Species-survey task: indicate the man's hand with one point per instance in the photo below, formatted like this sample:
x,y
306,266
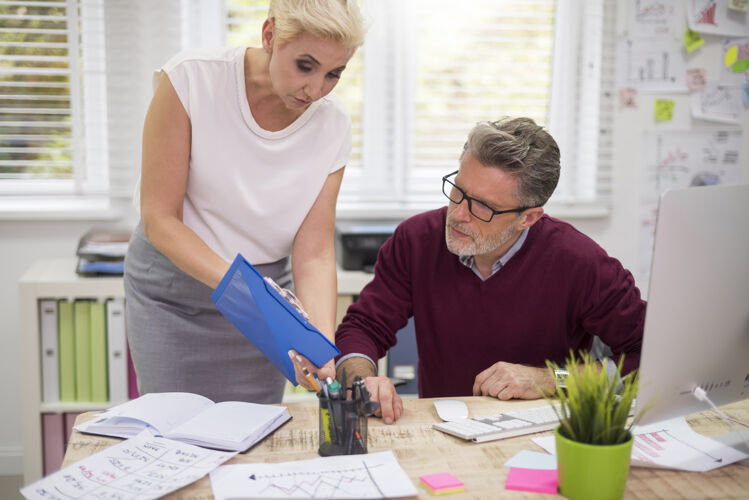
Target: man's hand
x,y
301,363
382,390
507,381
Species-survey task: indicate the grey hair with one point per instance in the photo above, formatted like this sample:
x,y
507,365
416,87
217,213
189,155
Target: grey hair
x,y
521,148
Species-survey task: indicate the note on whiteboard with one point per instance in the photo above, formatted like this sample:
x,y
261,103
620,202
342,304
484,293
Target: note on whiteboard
x,y
676,159
717,103
651,65
142,467
735,63
656,17
713,17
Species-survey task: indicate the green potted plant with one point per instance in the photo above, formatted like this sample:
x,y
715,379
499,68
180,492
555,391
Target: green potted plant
x,y
594,438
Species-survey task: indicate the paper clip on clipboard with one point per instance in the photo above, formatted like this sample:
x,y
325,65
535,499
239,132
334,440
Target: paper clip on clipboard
x,y
262,315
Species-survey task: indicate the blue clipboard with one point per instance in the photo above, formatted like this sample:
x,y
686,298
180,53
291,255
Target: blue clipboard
x,y
262,315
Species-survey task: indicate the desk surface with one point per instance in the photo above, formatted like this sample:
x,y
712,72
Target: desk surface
x,y
423,450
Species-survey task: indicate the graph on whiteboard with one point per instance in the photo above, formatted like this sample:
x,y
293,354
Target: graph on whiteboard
x,y
679,159
376,475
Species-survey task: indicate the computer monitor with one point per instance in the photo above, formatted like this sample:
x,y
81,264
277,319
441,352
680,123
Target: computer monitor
x,y
697,320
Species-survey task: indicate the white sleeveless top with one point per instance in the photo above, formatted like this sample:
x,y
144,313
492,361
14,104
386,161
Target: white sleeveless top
x,y
248,189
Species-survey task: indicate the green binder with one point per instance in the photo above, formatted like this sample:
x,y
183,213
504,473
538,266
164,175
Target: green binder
x,y
66,350
99,383
82,315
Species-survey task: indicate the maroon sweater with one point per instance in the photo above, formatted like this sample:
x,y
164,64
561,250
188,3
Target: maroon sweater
x,y
554,295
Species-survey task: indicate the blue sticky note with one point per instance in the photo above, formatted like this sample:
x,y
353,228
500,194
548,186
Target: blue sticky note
x,y
527,459
745,94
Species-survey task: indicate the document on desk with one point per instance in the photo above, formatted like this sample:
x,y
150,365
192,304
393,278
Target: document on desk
x,y
671,444
375,475
142,467
268,320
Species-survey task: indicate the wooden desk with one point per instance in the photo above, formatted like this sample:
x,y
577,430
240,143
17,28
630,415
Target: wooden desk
x,y
423,450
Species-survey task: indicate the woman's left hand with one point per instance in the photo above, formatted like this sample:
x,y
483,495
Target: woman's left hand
x,y
303,370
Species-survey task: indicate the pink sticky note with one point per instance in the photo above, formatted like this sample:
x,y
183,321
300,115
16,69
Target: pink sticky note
x,y
442,481
538,480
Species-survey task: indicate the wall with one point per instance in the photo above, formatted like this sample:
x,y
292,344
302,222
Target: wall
x,y
619,234
22,242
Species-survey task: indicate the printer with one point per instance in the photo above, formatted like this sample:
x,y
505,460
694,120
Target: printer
x,y
357,242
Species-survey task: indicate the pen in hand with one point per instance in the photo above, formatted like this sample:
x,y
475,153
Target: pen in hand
x,y
311,378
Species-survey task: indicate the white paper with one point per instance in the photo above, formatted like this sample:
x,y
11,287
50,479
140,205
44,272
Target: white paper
x,y
142,467
714,18
741,48
671,444
678,159
656,17
651,65
376,475
163,411
229,424
717,103
532,460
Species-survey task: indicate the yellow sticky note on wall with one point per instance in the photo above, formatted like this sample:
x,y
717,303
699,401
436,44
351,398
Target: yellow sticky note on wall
x,y
693,40
664,110
738,5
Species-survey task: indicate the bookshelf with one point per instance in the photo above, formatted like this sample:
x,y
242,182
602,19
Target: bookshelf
x,y
56,279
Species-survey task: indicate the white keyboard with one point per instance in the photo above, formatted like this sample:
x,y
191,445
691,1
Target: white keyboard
x,y
502,425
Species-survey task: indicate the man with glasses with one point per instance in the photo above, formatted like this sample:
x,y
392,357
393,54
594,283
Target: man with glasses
x,y
495,286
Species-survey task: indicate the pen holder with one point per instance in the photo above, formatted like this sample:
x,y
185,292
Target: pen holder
x,y
343,427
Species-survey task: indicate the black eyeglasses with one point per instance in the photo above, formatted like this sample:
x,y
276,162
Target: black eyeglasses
x,y
478,209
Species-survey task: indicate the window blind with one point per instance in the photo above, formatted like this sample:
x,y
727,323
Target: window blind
x,y
40,111
433,68
475,61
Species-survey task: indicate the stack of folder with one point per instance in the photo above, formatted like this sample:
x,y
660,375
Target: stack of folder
x,y
84,351
101,252
84,358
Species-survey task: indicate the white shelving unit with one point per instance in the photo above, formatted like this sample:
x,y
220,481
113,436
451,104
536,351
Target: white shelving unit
x,y
56,279
48,279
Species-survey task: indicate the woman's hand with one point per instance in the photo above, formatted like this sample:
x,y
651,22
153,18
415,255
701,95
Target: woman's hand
x,y
303,370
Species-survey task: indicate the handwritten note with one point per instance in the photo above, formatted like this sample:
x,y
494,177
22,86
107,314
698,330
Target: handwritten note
x,y
717,103
655,17
679,159
712,17
142,467
735,67
651,64
696,78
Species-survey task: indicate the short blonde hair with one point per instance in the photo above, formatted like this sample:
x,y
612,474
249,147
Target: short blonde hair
x,y
337,20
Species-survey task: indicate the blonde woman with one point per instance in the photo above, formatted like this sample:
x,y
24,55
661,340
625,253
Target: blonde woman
x,y
243,152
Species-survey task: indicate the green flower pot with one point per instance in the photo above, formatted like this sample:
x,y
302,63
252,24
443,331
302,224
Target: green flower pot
x,y
589,471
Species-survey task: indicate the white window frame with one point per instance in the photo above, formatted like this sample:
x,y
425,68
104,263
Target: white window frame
x,y
574,121
85,193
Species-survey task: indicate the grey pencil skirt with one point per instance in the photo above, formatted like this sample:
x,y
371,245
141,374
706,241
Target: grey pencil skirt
x,y
180,342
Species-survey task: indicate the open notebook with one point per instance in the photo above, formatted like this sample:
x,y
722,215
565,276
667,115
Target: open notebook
x,y
190,418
